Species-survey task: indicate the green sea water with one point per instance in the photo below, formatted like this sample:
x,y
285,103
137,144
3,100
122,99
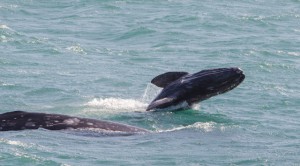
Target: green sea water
x,y
95,59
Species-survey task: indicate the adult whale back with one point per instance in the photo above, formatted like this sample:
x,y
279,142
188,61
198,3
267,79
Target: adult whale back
x,y
182,87
20,120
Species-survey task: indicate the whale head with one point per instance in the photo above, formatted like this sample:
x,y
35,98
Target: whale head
x,y
208,83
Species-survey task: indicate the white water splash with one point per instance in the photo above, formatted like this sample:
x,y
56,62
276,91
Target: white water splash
x,y
114,105
196,106
150,92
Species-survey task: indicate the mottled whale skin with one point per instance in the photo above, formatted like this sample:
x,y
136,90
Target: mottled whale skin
x,y
182,87
20,120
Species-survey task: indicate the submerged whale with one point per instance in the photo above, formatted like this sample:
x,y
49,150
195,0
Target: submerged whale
x,y
182,88
20,120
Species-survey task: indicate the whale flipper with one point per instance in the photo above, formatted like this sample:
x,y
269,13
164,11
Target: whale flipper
x,y
165,79
161,103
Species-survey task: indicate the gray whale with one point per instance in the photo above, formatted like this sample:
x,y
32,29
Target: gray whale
x,y
21,120
182,87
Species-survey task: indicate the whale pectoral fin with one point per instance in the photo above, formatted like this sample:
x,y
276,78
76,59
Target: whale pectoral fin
x,y
164,102
165,79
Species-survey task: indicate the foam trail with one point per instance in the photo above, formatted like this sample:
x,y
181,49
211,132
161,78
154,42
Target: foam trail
x,y
203,126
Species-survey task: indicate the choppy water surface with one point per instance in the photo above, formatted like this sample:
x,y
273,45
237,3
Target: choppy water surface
x,y
95,59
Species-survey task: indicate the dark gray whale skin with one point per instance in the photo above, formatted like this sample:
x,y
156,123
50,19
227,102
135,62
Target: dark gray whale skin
x,y
20,120
180,87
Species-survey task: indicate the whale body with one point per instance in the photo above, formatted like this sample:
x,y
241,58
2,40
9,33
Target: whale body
x,y
21,120
182,88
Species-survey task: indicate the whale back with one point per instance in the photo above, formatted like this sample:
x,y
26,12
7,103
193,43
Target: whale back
x,y
21,120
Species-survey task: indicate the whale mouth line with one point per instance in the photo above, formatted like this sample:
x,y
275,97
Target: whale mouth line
x,y
235,82
232,84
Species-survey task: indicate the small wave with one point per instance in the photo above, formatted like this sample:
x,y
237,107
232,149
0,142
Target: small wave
x,y
141,31
15,143
44,90
4,36
92,132
76,49
291,53
294,53
4,27
115,104
20,149
6,84
203,126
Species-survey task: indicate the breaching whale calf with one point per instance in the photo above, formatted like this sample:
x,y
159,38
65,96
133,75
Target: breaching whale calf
x,y
20,120
182,87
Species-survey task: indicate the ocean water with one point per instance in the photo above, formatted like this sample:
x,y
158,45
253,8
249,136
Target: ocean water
x,y
95,59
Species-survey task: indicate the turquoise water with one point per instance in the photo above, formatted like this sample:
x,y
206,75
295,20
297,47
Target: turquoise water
x,y
95,59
